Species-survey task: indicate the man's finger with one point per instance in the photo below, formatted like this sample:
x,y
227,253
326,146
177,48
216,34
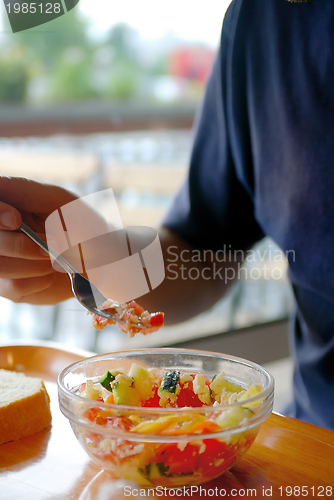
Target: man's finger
x,y
20,268
18,245
10,218
30,196
19,290
49,289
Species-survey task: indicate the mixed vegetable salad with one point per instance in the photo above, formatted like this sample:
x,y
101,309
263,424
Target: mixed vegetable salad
x,y
194,451
130,318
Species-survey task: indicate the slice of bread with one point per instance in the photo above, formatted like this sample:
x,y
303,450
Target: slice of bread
x,y
24,406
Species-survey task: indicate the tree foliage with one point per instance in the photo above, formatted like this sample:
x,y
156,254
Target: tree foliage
x,y
60,61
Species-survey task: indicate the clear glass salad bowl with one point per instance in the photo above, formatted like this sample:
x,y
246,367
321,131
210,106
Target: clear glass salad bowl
x,y
166,446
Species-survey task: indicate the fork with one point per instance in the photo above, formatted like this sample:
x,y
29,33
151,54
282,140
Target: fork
x,y
83,290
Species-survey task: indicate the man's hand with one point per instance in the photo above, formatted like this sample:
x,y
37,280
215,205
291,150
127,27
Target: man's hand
x,y
26,273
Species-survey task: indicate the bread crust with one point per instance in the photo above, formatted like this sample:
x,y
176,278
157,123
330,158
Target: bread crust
x,y
25,416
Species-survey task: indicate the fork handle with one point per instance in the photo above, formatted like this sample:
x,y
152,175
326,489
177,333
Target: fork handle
x,y
49,250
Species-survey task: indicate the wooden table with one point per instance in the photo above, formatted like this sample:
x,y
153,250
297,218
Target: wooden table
x,y
288,459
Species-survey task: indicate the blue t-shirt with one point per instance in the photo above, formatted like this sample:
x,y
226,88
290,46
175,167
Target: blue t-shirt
x,y
263,164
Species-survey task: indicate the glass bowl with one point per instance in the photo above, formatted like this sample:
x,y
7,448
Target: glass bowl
x,y
158,459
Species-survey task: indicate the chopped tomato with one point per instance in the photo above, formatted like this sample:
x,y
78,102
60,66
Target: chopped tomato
x,y
187,397
179,462
204,456
152,402
216,454
124,313
91,414
99,322
157,319
137,308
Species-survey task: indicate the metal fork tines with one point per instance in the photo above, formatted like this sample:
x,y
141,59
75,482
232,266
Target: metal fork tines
x,y
83,290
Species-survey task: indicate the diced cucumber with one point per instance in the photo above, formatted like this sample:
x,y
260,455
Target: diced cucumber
x,y
158,470
233,417
154,471
219,382
143,380
253,390
170,381
106,380
146,470
138,476
124,392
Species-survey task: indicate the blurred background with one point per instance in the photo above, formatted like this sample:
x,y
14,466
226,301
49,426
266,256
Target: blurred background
x,y
105,96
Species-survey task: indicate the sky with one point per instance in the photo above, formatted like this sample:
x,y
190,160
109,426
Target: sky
x,y
191,20
187,19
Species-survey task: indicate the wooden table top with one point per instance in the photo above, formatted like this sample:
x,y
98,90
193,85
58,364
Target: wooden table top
x,y
288,459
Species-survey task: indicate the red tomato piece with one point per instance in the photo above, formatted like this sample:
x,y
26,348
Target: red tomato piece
x,y
157,319
187,397
137,308
152,402
179,462
215,452
100,420
91,414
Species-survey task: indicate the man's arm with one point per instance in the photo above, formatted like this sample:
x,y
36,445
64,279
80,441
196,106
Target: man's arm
x,y
195,279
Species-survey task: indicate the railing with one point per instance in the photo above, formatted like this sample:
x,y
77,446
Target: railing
x,y
92,117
